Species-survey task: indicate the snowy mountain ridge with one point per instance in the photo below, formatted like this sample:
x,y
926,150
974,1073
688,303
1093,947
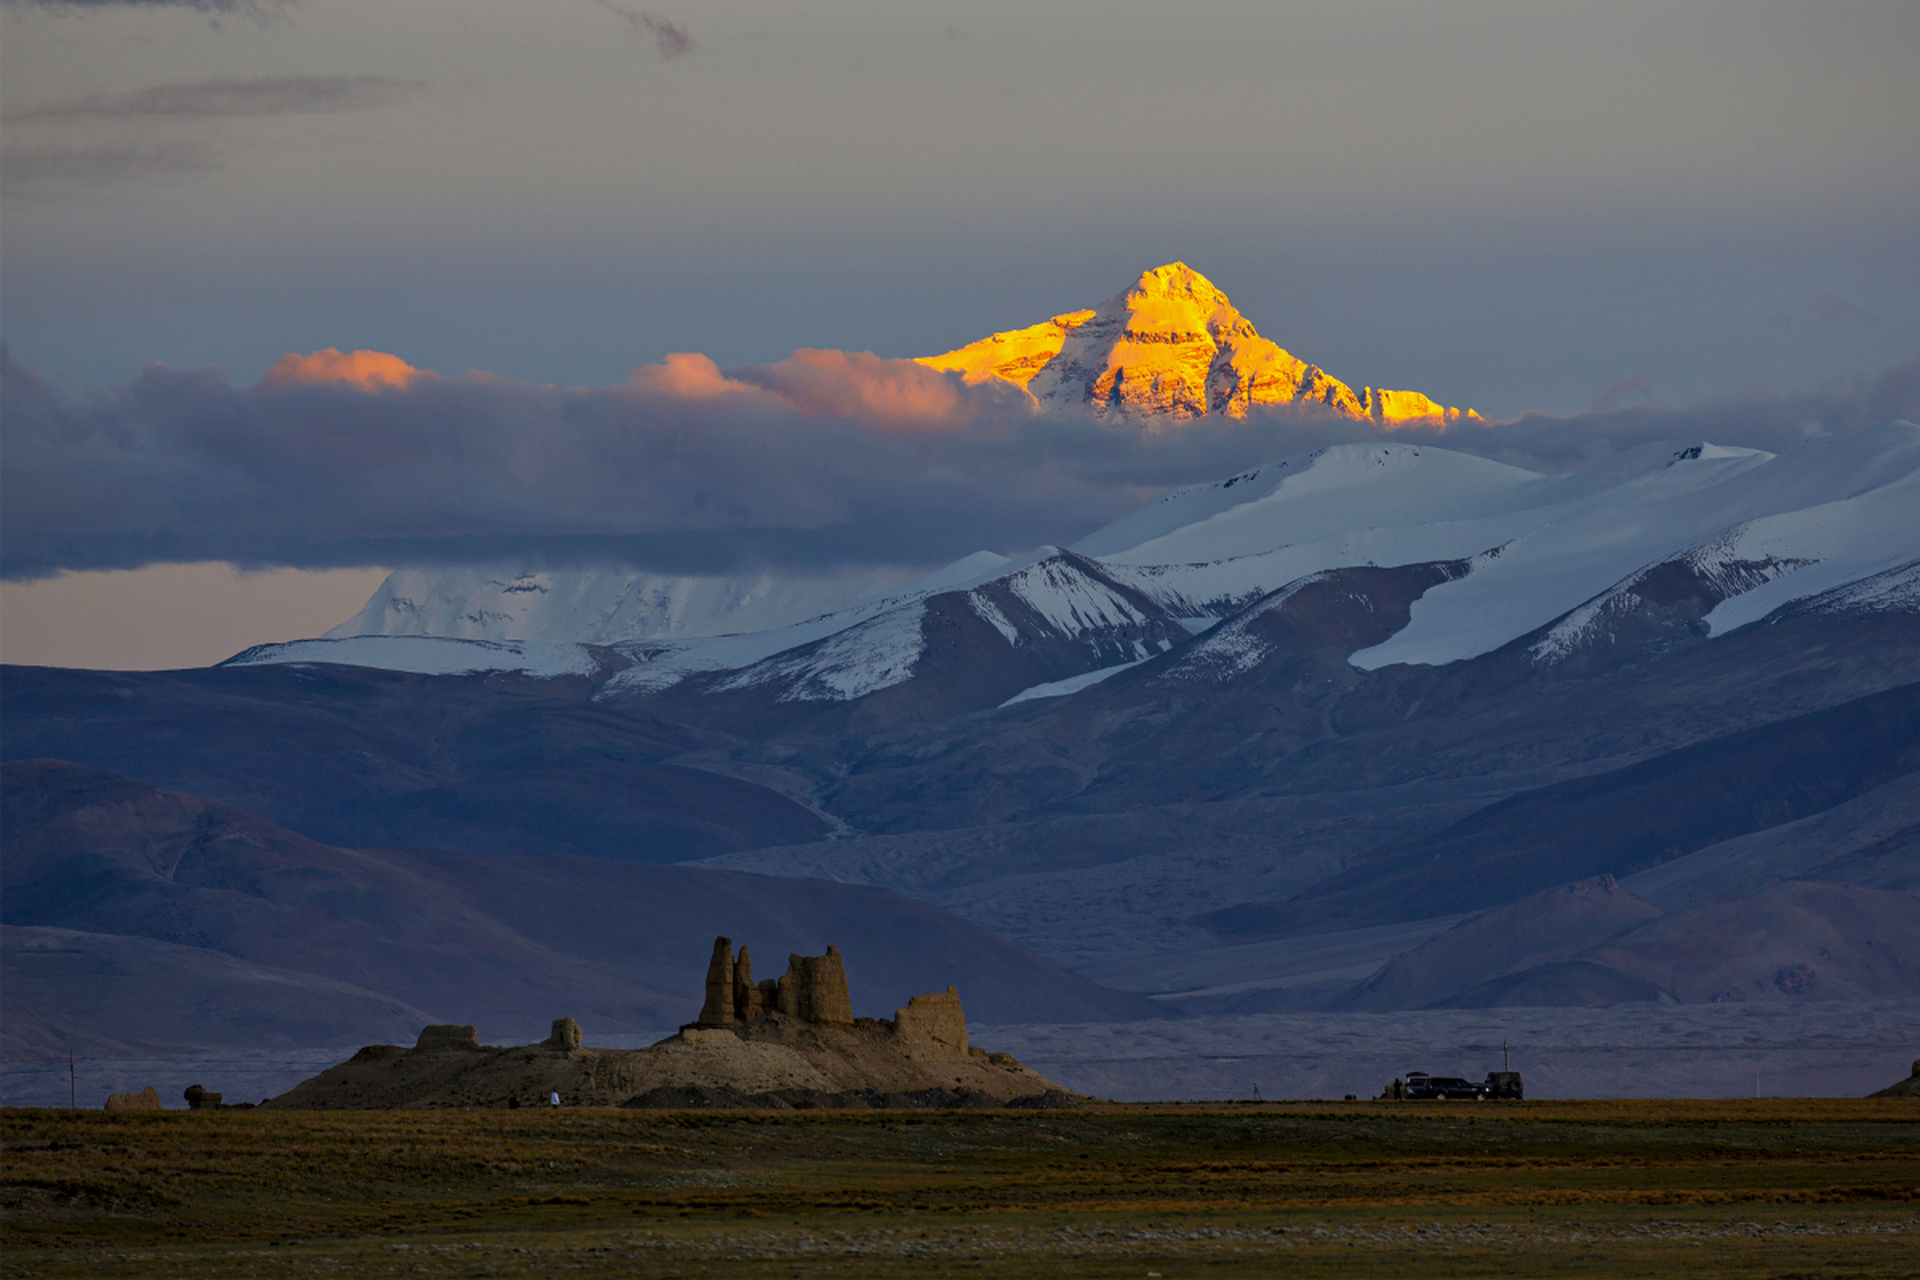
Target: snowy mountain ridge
x,y
1662,544
1050,606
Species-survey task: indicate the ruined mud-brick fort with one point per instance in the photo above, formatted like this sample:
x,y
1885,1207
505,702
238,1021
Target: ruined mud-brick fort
x,y
786,1042
814,989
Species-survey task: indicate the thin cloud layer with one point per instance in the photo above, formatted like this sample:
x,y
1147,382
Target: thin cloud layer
x,y
214,7
828,458
168,130
32,169
227,98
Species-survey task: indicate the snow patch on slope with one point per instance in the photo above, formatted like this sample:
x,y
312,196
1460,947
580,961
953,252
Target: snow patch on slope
x,y
860,660
1233,648
1895,590
1071,602
662,664
428,655
601,606
1730,564
1072,684
1858,538
990,614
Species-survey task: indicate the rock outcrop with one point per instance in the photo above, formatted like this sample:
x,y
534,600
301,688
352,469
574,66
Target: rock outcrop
x,y
786,1042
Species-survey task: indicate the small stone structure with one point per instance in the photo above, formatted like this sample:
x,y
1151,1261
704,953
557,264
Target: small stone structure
x,y
148,1099
566,1035
199,1099
813,989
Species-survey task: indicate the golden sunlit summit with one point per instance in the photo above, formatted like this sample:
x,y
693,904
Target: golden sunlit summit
x,y
1172,346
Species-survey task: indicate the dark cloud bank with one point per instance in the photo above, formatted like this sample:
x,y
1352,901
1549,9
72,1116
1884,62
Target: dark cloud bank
x,y
824,459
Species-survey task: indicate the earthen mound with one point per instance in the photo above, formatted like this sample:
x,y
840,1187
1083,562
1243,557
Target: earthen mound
x,y
1908,1088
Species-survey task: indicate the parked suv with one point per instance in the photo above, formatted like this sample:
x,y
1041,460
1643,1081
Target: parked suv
x,y
1418,1084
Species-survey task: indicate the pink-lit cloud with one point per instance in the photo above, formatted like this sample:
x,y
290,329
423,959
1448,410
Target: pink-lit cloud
x,y
886,395
361,370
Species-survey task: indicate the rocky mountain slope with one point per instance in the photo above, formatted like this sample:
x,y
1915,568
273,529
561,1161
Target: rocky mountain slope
x,y
216,927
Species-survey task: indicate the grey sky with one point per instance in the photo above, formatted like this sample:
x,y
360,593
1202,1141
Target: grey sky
x,y
1505,205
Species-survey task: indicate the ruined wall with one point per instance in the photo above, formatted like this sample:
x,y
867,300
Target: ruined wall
x,y
933,1025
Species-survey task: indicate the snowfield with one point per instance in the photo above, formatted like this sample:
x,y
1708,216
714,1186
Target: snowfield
x,y
1846,500
864,658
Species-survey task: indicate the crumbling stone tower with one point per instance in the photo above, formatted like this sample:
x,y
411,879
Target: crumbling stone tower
x,y
813,989
718,1010
816,988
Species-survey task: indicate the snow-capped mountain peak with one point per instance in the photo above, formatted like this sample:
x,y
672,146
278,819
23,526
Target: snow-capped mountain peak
x,y
1171,345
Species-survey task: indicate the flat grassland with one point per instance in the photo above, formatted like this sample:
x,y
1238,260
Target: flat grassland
x,y
1824,1187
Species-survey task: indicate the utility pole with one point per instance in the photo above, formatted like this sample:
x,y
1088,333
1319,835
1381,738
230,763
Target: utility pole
x,y
1504,1064
73,1083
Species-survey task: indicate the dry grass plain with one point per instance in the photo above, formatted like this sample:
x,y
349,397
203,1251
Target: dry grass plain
x,y
1643,1188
